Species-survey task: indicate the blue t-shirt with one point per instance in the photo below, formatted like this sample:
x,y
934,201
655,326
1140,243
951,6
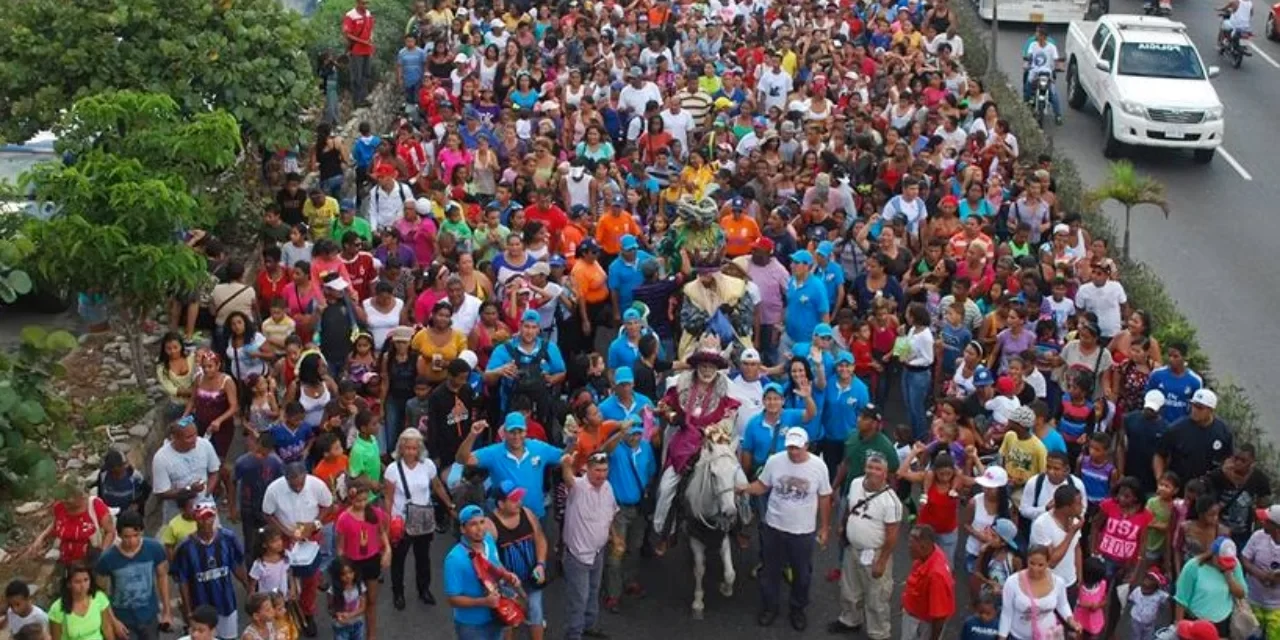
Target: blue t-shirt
x,y
841,408
954,340
833,278
976,629
552,364
983,211
630,471
133,581
612,409
1177,390
460,579
624,278
762,440
1053,441
253,475
291,444
806,304
412,65
209,569
526,472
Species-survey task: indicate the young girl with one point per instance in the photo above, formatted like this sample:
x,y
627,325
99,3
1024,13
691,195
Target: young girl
x,y
1163,510
362,540
884,333
363,361
1091,606
286,624
264,411
347,602
998,559
1146,605
262,615
1098,472
270,571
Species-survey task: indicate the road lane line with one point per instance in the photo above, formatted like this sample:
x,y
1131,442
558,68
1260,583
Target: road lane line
x,y
1258,50
1235,164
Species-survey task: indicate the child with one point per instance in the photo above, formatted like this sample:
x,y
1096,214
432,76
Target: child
x,y
120,485
469,487
1146,604
415,411
352,401
1097,471
998,558
1162,507
262,617
1195,488
985,621
955,335
884,333
270,570
333,464
365,460
279,326
347,602
274,230
182,525
203,623
1046,350
264,411
1004,402
533,428
1076,417
20,609
286,623
298,249
1062,308
293,437
286,367
1091,605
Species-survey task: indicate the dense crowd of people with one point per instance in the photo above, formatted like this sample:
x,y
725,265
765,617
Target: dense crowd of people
x,y
607,241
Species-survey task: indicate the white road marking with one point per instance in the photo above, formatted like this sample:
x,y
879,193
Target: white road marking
x,y
1263,54
1235,164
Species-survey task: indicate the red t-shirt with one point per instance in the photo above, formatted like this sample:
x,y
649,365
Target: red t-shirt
x,y
1121,532
363,273
359,25
930,591
553,217
75,532
269,289
941,511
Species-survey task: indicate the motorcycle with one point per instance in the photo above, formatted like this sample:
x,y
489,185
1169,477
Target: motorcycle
x,y
1234,47
1163,8
1040,96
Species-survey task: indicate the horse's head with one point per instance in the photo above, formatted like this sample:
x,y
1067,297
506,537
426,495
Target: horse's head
x,y
710,493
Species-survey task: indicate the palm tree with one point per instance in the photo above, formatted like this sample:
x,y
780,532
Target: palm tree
x,y
1126,186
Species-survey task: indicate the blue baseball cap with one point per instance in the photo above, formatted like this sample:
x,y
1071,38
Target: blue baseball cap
x,y
469,513
982,377
1008,531
578,210
844,357
825,248
823,330
629,243
631,314
619,200
802,257
738,204
774,387
515,420
623,375
636,430
530,316
556,261
348,204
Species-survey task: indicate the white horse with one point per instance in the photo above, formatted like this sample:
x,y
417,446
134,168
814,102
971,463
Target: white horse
x,y
712,508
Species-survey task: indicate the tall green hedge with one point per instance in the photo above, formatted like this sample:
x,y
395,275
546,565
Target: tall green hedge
x,y
1143,286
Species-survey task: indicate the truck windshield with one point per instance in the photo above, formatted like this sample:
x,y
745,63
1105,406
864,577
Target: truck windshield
x,y
1152,60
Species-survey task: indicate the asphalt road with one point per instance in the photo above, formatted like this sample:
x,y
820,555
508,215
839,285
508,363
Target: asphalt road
x,y
1213,251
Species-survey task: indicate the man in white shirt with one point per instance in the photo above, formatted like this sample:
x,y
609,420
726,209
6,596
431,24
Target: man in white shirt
x,y
1059,530
185,462
799,491
1036,496
909,206
1106,299
295,505
678,122
953,137
871,527
774,84
388,198
1042,57
638,92
466,307
747,387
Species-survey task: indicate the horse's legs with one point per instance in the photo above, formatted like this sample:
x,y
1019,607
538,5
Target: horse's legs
x,y
699,570
726,557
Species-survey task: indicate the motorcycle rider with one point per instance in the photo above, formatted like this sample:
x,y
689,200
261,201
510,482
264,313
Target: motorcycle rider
x,y
1042,56
1236,16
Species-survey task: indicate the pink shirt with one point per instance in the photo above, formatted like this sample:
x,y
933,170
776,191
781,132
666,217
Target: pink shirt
x,y
425,303
772,280
1121,532
419,236
361,540
451,159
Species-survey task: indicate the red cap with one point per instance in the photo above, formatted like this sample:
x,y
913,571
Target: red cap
x,y
385,171
1197,630
1004,385
951,200
764,244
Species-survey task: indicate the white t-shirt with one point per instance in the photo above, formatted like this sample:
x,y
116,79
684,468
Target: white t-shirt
x,y
913,212
678,124
380,324
1000,408
1045,531
636,99
17,622
751,397
1104,302
292,507
171,469
419,479
467,315
775,87
1062,310
1042,58
794,492
865,527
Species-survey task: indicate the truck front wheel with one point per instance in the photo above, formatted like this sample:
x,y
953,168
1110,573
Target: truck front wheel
x,y
1075,93
1204,156
1110,146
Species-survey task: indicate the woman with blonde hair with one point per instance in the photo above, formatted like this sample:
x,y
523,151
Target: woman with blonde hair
x,y
408,484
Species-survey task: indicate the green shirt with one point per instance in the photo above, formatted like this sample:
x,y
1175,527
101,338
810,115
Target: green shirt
x,y
86,627
855,455
1161,514
359,226
459,230
365,460
1202,590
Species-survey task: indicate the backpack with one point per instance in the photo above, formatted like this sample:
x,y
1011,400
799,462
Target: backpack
x,y
529,380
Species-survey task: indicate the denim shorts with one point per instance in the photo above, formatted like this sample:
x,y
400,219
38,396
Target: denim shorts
x,y
534,615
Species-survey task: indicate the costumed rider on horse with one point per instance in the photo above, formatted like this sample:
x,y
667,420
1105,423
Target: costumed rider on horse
x,y
698,238
716,305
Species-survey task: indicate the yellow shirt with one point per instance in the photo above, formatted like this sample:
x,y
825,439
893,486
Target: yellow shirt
x,y
320,218
178,529
789,63
424,345
1023,459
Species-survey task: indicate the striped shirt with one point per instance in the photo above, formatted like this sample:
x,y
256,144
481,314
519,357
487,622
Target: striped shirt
x,y
698,104
208,569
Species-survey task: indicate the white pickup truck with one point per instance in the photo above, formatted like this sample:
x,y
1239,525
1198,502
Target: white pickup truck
x,y
1146,78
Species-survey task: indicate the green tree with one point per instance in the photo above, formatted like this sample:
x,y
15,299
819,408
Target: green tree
x,y
1130,189
245,56
138,176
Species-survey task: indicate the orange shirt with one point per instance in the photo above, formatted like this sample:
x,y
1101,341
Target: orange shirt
x,y
588,443
610,229
929,593
329,470
591,281
739,234
570,238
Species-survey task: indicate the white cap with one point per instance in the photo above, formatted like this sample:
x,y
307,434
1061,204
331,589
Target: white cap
x,y
337,284
422,206
1061,228
469,357
993,478
1271,513
749,355
797,437
1205,398
1154,400
497,23
461,58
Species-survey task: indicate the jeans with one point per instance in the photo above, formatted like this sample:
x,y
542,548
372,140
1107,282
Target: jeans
x,y
782,549
331,100
917,386
393,424
350,631
411,92
1028,90
328,547
491,631
147,631
361,68
947,542
768,346
332,186
866,599
620,567
582,594
421,547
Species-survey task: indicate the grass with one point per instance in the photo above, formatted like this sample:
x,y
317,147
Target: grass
x,y
1144,288
122,409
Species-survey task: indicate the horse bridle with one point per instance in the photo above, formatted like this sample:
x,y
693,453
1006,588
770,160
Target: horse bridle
x,y
717,491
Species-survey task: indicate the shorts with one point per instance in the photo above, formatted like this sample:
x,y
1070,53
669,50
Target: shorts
x,y
534,615
228,626
369,569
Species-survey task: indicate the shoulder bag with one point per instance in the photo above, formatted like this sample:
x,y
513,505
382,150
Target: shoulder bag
x,y
509,612
419,520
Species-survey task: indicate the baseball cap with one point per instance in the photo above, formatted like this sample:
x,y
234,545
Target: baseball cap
x,y
737,204
1197,630
1004,385
530,316
1006,529
539,269
1224,550
802,257
631,315
348,204
629,243
993,477
873,412
982,377
823,330
509,490
619,200
773,387
206,509
1270,514
635,72
514,420
1061,228
623,375
1023,416
763,243
749,355
844,357
797,437
1154,400
1205,398
336,282
556,261
825,248
469,513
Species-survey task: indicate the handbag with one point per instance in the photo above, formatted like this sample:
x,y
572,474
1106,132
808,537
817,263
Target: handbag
x,y
419,520
96,540
509,612
1244,625
1039,630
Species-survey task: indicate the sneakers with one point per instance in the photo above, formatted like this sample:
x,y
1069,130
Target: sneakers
x,y
755,571
766,618
595,632
309,626
1057,120
799,621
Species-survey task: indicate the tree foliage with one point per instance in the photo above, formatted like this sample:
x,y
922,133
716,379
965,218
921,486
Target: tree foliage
x,y
1130,189
131,187
32,417
245,56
